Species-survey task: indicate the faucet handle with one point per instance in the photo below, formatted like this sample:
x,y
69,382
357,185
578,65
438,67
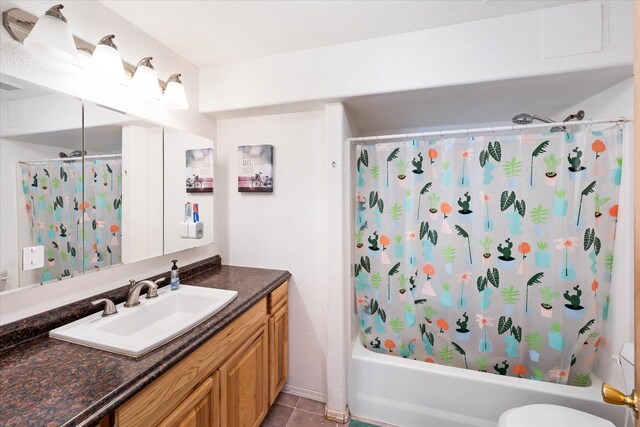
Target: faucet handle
x,y
109,306
132,282
153,292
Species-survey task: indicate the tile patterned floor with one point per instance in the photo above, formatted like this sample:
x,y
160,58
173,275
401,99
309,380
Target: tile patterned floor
x,y
294,411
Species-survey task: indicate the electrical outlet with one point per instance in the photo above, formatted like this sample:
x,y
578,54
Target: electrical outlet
x,y
32,257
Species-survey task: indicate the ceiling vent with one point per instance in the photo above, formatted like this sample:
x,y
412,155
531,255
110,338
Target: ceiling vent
x,y
8,87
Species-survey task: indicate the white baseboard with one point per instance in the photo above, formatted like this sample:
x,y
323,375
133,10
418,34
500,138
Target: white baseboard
x,y
306,393
341,417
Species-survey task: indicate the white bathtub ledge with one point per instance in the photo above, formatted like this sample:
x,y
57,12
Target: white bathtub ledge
x,y
414,393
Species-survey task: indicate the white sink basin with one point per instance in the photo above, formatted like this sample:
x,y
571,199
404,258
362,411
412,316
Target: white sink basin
x,y
134,331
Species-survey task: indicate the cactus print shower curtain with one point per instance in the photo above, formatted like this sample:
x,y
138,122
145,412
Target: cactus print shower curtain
x,y
488,253
78,221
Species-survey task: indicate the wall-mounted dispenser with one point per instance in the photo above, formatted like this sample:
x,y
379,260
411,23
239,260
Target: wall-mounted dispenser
x,y
191,227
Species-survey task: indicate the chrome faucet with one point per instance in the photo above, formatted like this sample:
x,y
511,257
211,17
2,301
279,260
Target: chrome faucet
x,y
133,298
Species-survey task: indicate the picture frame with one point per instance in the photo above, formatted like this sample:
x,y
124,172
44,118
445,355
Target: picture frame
x,y
256,169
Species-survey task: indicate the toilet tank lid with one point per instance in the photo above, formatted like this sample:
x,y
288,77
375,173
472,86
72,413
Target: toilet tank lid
x,y
549,415
627,353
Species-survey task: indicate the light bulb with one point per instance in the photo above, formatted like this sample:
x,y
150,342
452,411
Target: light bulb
x,y
174,94
105,62
51,35
145,78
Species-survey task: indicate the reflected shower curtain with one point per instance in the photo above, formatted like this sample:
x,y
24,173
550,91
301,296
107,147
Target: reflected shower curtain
x,y
488,253
79,224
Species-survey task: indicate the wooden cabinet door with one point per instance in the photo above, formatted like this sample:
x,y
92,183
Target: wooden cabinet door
x,y
244,383
278,351
199,409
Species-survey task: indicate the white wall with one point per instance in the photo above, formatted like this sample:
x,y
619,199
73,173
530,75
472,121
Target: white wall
x,y
90,21
501,48
284,229
339,244
142,191
615,102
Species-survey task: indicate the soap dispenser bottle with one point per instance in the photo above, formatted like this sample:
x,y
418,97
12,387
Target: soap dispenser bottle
x,y
175,276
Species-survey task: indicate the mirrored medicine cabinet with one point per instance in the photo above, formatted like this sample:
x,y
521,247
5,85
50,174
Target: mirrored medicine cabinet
x,y
85,188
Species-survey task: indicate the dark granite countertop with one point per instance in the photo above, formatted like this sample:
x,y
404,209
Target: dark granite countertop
x,y
47,382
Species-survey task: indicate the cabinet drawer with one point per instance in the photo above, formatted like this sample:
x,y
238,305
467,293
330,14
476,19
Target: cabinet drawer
x,y
278,297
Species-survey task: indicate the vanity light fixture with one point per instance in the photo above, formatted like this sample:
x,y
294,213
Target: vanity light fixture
x,y
106,62
51,35
145,78
174,94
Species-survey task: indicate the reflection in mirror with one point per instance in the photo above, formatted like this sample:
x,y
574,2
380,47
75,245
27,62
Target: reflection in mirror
x,y
124,188
40,145
103,206
85,187
188,180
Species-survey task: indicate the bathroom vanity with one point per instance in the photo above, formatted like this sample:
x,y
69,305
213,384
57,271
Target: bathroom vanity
x,y
228,381
225,371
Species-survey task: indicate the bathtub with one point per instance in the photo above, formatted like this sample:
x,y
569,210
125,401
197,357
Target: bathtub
x,y
411,393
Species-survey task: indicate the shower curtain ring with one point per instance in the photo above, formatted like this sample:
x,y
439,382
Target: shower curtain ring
x,y
589,124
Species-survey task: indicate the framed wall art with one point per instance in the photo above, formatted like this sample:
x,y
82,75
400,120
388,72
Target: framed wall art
x,y
199,170
256,169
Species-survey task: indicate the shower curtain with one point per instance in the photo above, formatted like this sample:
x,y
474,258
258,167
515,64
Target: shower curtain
x,y
488,253
78,221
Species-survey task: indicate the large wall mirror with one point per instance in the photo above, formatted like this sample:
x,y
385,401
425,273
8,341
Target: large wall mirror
x,y
85,188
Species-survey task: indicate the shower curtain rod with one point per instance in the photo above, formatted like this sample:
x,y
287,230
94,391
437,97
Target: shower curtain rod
x,y
492,129
70,159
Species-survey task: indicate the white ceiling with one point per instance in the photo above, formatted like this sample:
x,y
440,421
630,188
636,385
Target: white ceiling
x,y
219,32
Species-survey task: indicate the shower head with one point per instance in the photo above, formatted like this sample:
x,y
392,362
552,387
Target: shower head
x,y
75,153
522,119
577,116
527,119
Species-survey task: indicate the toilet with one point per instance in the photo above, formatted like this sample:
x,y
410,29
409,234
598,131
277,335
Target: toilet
x,y
553,415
